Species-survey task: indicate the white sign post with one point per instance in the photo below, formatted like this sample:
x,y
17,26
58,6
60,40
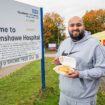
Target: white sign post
x,y
21,33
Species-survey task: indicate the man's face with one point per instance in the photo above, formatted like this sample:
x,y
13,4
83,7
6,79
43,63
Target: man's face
x,y
76,28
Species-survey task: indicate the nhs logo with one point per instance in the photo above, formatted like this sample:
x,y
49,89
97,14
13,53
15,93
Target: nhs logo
x,y
35,11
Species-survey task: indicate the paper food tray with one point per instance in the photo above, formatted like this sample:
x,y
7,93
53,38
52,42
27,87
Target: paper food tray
x,y
56,69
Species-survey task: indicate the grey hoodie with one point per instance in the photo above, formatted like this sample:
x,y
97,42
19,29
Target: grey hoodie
x,y
90,57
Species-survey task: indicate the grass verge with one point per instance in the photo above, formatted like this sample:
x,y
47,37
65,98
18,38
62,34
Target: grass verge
x,y
23,87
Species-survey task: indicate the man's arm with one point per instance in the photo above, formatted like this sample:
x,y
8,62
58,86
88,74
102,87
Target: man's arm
x,y
56,59
99,65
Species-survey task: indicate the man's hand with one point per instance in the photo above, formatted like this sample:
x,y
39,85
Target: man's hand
x,y
56,61
74,74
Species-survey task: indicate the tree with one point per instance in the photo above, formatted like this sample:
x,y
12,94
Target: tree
x,y
94,20
53,28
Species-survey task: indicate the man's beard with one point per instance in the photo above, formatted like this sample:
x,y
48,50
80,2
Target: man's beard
x,y
77,38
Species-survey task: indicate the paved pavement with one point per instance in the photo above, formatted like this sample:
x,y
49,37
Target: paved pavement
x,y
50,55
7,70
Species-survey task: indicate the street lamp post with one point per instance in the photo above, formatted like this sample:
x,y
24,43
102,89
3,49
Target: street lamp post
x,y
58,37
58,27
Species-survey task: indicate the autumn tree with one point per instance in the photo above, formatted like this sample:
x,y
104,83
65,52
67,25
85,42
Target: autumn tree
x,y
94,20
53,28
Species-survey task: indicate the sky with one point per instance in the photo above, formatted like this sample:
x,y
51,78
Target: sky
x,y
67,8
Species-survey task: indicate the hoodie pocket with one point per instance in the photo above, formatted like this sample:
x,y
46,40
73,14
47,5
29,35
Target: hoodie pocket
x,y
72,87
65,85
78,88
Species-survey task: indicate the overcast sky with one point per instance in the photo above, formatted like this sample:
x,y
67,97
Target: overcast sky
x,y
67,8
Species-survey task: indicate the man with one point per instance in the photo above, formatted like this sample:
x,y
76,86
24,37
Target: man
x,y
81,86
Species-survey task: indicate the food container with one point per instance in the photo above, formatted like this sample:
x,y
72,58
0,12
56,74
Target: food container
x,y
67,65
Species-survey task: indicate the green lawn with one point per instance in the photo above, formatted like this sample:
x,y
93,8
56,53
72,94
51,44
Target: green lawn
x,y
23,87
20,85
